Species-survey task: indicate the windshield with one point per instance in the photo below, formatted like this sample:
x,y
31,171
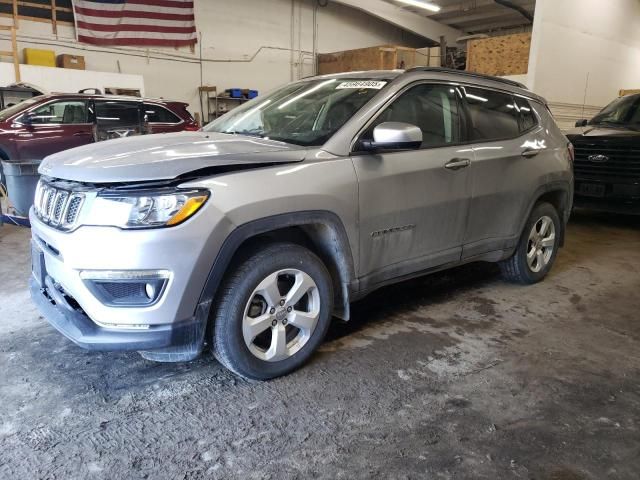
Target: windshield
x,y
622,111
18,107
304,113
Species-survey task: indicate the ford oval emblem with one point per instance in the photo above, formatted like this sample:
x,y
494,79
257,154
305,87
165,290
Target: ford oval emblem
x,y
598,158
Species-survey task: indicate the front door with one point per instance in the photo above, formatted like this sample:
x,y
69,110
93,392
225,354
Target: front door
x,y
54,127
413,204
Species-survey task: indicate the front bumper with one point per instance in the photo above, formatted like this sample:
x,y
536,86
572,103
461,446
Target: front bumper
x,y
626,207
186,251
612,194
168,341
172,328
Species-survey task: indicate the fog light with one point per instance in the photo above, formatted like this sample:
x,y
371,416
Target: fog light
x,y
133,288
150,290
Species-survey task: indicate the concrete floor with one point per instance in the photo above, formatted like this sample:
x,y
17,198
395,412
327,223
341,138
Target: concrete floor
x,y
457,375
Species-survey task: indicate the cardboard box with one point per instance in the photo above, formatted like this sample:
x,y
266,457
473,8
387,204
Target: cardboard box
x,y
71,61
34,56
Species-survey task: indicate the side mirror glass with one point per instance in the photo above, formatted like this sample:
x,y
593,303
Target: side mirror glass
x,y
582,123
394,136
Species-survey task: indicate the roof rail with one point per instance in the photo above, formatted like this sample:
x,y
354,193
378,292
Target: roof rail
x,y
468,74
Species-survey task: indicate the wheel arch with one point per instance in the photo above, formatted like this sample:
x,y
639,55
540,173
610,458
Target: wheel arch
x,y
559,194
320,231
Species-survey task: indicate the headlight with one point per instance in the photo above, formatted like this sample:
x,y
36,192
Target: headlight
x,y
145,209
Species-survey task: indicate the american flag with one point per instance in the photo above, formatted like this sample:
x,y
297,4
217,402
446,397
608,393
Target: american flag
x,y
158,23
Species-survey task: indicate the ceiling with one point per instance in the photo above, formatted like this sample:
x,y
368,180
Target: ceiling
x,y
476,16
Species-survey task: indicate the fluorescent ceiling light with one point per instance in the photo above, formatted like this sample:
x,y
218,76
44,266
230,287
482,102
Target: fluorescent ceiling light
x,y
420,4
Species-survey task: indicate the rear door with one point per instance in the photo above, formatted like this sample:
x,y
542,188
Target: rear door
x,y
413,207
55,126
506,140
117,119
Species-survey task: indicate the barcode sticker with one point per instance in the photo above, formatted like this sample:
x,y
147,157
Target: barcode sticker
x,y
362,84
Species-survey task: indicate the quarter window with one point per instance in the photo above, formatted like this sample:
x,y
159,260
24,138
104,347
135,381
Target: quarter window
x,y
493,115
433,108
527,117
158,114
67,112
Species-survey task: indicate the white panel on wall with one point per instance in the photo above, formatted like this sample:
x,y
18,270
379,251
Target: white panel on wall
x,y
63,80
585,51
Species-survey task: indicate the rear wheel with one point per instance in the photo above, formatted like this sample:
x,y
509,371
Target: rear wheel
x,y
537,248
274,311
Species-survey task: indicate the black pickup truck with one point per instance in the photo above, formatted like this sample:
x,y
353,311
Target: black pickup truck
x,y
607,158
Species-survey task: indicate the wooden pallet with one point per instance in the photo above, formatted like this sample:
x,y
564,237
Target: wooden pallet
x,y
382,57
502,55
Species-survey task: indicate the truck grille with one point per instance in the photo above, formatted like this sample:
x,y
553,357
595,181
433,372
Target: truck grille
x,y
622,159
58,205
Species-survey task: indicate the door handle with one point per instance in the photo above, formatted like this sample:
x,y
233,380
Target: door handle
x,y
530,152
457,163
80,134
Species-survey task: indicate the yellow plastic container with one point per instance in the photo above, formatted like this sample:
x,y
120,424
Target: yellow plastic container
x,y
34,56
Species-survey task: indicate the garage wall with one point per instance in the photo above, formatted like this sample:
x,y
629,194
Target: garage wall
x,y
576,38
244,43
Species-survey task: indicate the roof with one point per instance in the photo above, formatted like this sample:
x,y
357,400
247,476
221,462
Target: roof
x,y
468,74
369,74
94,96
445,74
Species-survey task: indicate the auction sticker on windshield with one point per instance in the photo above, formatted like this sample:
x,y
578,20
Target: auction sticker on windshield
x,y
362,84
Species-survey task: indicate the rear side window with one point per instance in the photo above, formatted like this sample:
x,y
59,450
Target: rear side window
x,y
115,119
494,115
116,113
158,114
433,108
528,119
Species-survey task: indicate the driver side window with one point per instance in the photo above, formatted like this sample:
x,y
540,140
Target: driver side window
x,y
65,112
432,108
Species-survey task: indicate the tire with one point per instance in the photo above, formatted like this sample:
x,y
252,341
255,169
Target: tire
x,y
248,303
522,269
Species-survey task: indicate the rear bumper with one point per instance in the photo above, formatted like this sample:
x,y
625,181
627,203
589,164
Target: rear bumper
x,y
178,341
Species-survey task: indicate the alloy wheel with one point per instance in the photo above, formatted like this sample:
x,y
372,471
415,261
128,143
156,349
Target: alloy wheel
x,y
541,244
281,315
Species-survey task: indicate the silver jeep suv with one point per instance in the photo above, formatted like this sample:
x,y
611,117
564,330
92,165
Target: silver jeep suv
x,y
251,234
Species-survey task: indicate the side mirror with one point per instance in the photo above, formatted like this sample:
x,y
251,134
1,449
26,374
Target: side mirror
x,y
394,136
582,123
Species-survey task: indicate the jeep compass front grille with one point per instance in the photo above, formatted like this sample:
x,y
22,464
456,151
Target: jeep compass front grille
x,y
58,205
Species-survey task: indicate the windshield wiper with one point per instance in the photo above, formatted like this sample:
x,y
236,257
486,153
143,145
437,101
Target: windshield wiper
x,y
248,133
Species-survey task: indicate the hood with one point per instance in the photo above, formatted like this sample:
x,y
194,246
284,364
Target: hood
x,y
164,156
596,131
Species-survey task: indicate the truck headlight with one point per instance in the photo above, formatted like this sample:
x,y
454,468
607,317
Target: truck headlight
x,y
145,209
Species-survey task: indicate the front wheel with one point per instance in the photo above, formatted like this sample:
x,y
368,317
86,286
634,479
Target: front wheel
x,y
273,312
537,248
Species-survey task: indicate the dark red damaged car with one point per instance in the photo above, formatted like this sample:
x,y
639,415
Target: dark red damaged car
x,y
40,126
